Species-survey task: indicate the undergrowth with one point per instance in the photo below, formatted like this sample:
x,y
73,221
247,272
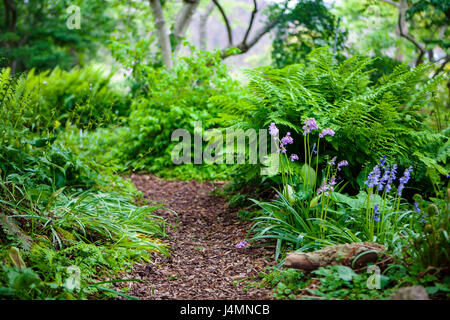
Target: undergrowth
x,y
68,225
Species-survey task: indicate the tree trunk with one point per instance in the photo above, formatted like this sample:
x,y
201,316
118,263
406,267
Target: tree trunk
x,y
183,20
163,33
203,39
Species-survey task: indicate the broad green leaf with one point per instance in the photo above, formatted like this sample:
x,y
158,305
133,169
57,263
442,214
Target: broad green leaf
x,y
309,175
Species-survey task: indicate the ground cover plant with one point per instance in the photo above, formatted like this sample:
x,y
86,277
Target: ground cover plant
x,y
57,210
371,120
94,206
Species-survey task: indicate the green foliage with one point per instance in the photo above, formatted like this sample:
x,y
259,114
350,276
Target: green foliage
x,y
370,121
237,200
102,218
430,248
343,283
305,216
381,66
170,100
306,222
333,282
370,25
247,215
28,150
53,197
425,15
22,283
302,28
35,34
50,274
61,204
85,97
287,283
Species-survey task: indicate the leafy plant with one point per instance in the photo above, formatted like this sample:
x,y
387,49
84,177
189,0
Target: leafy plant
x,y
61,209
430,248
307,25
341,282
370,120
287,283
170,100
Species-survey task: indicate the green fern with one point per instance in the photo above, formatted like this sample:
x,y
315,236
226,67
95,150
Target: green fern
x,y
370,119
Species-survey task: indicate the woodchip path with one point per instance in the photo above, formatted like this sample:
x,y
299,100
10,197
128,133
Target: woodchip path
x,y
205,263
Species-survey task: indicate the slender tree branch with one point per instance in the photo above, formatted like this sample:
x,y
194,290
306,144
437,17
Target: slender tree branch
x,y
442,66
402,27
419,59
252,19
244,47
226,21
183,20
246,44
261,32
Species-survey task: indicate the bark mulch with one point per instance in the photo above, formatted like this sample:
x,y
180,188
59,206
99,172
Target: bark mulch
x,y
205,263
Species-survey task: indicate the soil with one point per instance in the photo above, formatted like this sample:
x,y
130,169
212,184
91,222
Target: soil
x,y
205,263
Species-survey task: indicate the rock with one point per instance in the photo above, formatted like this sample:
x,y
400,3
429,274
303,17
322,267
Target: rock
x,y
411,293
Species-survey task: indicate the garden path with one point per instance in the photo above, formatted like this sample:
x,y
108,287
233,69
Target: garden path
x,y
205,263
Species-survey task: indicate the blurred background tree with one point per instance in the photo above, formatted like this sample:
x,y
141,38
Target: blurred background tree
x,y
304,26
34,33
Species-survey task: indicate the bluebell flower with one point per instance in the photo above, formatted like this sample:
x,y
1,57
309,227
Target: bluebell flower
x,y
332,162
242,244
327,186
287,139
416,207
406,175
374,177
310,125
382,161
333,181
342,163
391,178
273,130
282,149
404,180
325,132
376,213
384,179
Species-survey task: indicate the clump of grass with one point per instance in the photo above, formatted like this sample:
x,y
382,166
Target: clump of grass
x,y
92,217
61,207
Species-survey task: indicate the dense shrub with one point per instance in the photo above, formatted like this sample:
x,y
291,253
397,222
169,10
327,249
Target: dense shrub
x,y
54,201
370,120
170,100
85,97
